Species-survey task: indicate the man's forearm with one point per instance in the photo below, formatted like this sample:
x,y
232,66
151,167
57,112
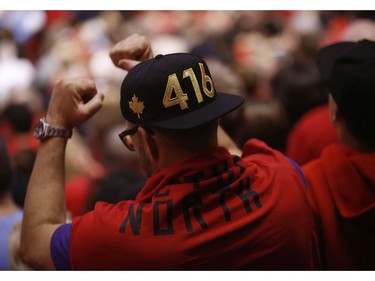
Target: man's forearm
x,y
45,207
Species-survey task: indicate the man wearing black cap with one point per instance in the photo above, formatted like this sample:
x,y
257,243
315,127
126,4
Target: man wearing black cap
x,y
341,182
201,208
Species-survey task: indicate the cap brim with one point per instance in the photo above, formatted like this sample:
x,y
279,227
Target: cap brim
x,y
327,57
223,104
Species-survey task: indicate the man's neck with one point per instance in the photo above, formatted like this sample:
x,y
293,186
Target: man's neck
x,y
347,138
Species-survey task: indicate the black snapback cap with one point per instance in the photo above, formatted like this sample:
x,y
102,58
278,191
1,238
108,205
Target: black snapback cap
x,y
173,91
349,70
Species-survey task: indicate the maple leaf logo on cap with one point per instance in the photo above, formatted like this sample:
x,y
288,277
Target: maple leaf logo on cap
x,y
136,106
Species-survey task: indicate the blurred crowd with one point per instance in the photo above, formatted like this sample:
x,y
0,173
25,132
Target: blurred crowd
x,y
266,56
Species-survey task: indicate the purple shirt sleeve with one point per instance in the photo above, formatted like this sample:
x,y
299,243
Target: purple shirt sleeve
x,y
297,167
60,247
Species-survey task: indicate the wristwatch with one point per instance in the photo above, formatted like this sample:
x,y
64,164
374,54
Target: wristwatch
x,y
43,130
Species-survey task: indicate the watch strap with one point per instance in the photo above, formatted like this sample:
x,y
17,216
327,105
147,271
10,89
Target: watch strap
x,y
57,132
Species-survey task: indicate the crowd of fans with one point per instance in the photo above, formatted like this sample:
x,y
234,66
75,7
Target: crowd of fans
x,y
268,57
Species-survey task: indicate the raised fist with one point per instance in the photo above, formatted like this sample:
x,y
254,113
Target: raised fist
x,y
131,51
73,101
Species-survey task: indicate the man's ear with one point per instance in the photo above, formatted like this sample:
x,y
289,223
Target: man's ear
x,y
334,112
150,145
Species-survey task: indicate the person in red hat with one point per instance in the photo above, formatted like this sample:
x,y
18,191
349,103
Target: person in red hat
x,y
201,207
341,182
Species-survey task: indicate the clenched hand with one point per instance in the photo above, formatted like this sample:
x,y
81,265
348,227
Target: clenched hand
x,y
132,50
73,102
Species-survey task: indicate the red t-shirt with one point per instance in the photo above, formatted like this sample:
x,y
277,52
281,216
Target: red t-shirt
x,y
211,211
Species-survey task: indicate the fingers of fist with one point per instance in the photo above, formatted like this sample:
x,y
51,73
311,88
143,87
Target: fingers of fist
x,y
73,101
130,51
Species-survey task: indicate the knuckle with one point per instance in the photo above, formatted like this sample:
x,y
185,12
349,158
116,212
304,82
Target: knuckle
x,y
64,85
59,83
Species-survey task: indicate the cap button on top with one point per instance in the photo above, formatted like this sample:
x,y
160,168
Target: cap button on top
x,y
159,56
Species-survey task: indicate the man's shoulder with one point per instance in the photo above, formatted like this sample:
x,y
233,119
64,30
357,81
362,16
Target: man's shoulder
x,y
316,166
257,151
271,161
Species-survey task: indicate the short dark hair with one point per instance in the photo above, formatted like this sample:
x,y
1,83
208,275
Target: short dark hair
x,y
5,169
19,116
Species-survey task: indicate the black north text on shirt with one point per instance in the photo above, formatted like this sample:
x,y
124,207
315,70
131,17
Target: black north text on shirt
x,y
192,202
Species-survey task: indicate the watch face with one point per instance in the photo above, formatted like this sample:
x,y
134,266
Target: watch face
x,y
43,130
39,130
